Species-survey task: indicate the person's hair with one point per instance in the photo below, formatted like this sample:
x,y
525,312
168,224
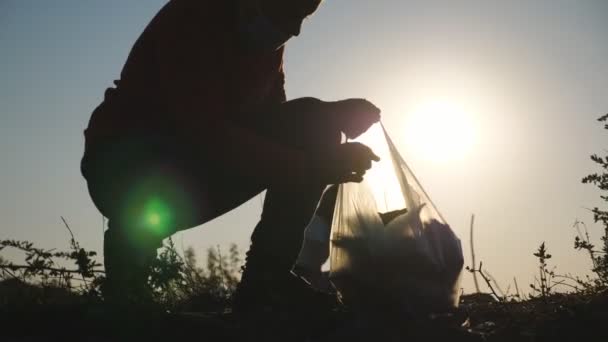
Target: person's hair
x,y
316,3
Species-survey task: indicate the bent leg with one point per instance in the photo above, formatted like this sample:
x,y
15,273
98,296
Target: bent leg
x,y
287,211
278,237
150,189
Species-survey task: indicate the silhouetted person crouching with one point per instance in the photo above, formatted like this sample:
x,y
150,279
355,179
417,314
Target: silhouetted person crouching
x,y
198,124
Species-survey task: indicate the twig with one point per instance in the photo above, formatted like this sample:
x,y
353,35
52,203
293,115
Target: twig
x,y
516,287
223,275
9,272
69,230
66,281
51,269
570,278
487,280
495,282
586,242
508,291
473,252
563,283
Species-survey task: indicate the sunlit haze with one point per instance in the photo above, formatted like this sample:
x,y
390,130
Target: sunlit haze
x,y
493,104
442,130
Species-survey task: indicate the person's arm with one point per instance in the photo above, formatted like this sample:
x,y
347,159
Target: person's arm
x,y
193,81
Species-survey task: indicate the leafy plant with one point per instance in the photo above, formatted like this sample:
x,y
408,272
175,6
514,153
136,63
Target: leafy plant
x,y
582,242
599,257
545,283
45,267
548,280
178,282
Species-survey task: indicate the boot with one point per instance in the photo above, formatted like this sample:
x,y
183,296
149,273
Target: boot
x,y
128,268
279,293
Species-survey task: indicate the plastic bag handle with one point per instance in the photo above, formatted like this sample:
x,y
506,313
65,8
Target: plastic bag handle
x,y
397,161
403,184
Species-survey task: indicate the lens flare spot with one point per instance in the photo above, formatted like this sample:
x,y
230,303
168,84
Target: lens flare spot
x,y
157,215
154,219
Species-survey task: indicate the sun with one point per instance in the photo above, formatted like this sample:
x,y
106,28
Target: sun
x,y
441,130
381,178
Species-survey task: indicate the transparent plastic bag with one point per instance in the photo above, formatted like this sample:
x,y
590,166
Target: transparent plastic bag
x,y
410,263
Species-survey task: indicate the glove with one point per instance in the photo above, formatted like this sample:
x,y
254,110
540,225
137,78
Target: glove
x,y
347,163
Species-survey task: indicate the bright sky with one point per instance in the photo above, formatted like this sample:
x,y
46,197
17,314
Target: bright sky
x,y
513,89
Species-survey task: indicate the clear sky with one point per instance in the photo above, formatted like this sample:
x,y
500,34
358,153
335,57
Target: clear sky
x,y
512,87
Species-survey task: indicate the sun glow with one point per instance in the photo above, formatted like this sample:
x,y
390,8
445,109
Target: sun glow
x,y
381,178
441,131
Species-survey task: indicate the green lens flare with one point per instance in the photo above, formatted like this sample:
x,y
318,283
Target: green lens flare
x,y
157,216
154,219
157,206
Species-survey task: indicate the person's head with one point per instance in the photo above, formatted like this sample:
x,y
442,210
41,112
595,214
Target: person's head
x,y
288,15
269,24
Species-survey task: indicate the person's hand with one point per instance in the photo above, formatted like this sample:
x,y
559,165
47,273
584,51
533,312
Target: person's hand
x,y
347,163
354,116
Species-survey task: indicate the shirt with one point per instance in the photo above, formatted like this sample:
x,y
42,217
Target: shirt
x,y
190,48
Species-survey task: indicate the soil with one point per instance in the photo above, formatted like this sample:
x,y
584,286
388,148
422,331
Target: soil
x,y
479,318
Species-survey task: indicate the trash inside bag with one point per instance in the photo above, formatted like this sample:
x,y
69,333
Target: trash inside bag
x,y
390,247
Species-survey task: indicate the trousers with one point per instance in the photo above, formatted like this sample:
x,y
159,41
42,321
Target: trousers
x,y
152,186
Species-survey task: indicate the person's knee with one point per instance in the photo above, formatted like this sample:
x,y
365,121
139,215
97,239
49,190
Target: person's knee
x,y
124,240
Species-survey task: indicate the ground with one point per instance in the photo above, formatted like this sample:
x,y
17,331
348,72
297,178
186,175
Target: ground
x,y
25,316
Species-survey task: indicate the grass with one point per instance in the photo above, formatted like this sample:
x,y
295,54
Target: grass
x,y
57,300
